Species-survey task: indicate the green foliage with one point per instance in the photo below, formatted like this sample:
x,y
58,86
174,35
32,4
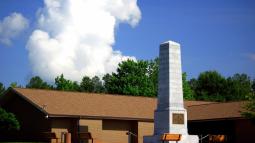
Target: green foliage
x,y
250,113
133,78
2,89
108,83
250,106
188,93
97,85
92,85
8,121
65,84
238,87
250,109
86,84
140,78
37,82
153,74
14,84
253,86
210,86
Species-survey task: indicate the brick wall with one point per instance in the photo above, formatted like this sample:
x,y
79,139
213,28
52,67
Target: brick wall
x,y
144,129
108,131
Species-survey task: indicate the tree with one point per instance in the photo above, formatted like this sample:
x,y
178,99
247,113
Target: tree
x,y
86,84
210,85
14,84
107,83
133,78
2,89
188,93
65,84
193,84
8,121
75,86
253,87
239,87
153,70
97,85
37,82
139,78
249,108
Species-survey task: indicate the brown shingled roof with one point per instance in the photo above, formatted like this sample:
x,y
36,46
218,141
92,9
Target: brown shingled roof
x,y
63,103
216,111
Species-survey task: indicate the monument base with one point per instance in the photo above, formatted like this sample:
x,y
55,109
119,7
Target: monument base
x,y
184,139
166,121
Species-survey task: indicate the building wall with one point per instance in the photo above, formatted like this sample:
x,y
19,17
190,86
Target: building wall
x,y
92,126
104,131
144,129
115,131
64,125
109,131
29,117
245,131
60,126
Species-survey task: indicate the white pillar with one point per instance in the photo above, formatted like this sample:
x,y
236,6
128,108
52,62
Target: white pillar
x,y
170,115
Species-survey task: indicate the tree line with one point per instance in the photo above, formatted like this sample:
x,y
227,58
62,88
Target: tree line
x,y
140,78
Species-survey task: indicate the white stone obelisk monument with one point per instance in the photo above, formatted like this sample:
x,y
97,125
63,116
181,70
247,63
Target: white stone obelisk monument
x,y
170,115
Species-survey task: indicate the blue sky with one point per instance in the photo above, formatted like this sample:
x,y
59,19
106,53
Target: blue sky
x,y
214,35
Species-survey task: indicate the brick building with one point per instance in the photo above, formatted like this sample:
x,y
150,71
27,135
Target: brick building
x,y
109,117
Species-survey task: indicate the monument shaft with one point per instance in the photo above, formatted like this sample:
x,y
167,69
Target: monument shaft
x,y
170,116
170,92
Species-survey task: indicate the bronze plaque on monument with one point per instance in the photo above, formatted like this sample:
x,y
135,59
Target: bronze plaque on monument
x,y
178,118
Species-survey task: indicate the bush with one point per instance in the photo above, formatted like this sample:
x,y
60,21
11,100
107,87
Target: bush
x,y
8,121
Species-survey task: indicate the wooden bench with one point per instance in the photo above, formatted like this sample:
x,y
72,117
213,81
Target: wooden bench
x,y
170,137
50,135
85,135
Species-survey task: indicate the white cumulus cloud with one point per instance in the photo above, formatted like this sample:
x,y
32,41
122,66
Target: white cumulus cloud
x,y
75,37
11,26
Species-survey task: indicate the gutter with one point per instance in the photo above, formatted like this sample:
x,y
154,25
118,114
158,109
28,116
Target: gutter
x,y
99,117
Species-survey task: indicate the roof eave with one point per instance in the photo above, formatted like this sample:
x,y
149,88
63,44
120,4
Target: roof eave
x,y
216,119
29,101
97,117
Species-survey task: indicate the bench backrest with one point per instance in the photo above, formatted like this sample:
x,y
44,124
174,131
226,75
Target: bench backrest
x,y
170,137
